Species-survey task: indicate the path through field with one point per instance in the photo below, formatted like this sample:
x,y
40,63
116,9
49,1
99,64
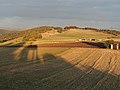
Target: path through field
x,y
35,68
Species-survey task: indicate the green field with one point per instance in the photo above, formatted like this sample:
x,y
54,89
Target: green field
x,y
83,34
75,35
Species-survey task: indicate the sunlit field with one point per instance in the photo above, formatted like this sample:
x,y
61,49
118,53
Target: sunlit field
x,y
40,68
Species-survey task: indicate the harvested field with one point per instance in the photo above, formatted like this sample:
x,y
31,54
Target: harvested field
x,y
37,68
74,44
77,44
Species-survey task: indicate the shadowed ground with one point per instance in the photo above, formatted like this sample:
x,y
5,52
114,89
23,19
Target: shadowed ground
x,y
35,68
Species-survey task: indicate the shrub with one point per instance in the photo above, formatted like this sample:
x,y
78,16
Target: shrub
x,y
32,36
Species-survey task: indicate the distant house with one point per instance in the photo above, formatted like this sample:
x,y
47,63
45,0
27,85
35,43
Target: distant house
x,y
115,45
92,39
82,39
87,39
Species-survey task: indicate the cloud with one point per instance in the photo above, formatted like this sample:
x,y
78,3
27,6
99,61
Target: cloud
x,y
35,12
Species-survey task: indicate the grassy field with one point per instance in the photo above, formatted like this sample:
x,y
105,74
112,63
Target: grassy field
x,y
36,68
75,35
84,34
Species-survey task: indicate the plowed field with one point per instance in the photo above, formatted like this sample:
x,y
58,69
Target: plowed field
x,y
36,68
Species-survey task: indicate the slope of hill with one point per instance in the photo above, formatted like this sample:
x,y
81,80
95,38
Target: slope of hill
x,y
113,32
77,33
47,34
33,33
3,31
74,35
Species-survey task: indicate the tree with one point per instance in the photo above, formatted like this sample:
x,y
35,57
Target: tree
x,y
108,42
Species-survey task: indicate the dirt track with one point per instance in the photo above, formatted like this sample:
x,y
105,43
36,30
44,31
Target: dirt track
x,y
59,69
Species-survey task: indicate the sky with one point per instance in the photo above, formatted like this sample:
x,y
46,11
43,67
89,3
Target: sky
x,y
84,13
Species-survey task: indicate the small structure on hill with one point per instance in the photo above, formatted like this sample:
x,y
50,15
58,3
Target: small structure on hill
x,y
87,39
82,39
115,46
92,39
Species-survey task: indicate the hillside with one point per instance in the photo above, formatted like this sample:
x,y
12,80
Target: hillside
x,y
47,34
74,35
115,33
29,34
3,31
78,33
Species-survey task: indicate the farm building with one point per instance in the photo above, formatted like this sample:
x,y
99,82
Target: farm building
x,y
83,39
115,45
87,39
92,39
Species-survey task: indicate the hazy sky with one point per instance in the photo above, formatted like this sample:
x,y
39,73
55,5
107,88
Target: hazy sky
x,y
31,13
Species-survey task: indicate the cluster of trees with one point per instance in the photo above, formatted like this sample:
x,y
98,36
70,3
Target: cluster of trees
x,y
59,29
113,32
32,36
1,41
89,28
35,33
71,27
9,36
42,29
108,42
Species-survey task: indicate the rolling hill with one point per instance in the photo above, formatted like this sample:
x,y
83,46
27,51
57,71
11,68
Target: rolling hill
x,y
24,34
47,34
74,35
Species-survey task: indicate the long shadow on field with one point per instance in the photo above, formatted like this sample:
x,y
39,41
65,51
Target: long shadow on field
x,y
67,75
11,44
18,44
27,53
7,54
8,44
97,44
56,73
